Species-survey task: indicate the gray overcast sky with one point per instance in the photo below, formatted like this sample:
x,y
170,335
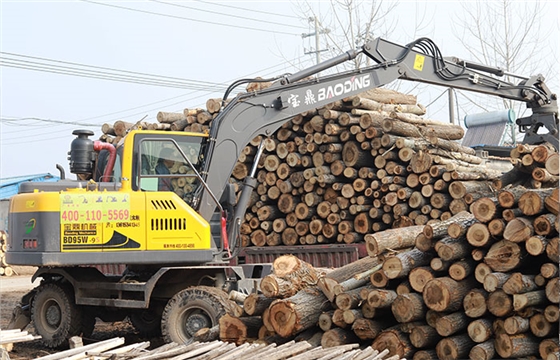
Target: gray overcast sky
x,y
189,42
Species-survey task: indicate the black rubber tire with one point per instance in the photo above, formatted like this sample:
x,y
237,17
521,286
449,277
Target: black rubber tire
x,y
55,315
146,322
200,303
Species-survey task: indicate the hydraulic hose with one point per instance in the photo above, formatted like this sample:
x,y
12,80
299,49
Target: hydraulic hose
x,y
98,146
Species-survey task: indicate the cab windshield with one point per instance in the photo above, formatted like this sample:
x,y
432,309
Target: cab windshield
x,y
168,163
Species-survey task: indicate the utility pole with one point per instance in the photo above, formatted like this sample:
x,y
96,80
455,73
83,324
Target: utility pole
x,y
316,34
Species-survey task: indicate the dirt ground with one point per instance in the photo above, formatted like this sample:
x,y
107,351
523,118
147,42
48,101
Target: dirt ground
x,y
10,295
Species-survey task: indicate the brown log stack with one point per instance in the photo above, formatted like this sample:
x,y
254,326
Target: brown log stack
x,y
469,258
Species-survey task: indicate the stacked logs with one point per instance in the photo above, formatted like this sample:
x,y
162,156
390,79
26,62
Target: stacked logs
x,y
190,120
5,268
467,265
461,288
535,165
354,167
368,163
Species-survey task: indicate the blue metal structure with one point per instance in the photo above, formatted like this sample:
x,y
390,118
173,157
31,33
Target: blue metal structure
x,y
9,186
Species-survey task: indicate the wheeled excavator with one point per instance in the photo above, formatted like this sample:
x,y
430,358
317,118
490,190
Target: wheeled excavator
x,y
180,250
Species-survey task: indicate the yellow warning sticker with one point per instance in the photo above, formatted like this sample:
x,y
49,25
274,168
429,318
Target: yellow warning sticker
x,y
419,62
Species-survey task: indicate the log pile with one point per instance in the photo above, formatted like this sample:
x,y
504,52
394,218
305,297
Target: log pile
x,y
463,262
335,174
534,166
481,287
111,349
355,167
5,268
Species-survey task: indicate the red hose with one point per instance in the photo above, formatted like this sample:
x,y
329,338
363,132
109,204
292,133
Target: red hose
x,y
98,146
224,233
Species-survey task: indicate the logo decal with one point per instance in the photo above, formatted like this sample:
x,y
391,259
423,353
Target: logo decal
x,y
29,226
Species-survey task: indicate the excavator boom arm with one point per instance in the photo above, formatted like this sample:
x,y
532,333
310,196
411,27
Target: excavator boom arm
x,y
263,112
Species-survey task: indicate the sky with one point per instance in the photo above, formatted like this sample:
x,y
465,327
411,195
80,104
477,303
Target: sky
x,y
195,48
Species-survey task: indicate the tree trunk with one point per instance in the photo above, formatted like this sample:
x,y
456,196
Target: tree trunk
x,y
552,249
452,250
274,286
540,327
533,201
381,298
516,346
503,256
424,336
445,294
499,303
452,323
367,329
351,298
458,189
480,330
495,281
544,224
392,239
337,337
394,341
474,303
337,276
455,347
408,308
207,334
461,269
518,230
553,290
516,325
297,313
485,209
401,264
239,330
121,128
509,198
353,156
439,229
548,349
388,96
325,320
255,304
483,351
518,283
419,276
552,313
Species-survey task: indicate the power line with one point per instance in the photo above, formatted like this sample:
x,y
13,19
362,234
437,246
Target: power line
x,y
50,69
78,122
36,140
260,72
188,19
229,6
13,119
226,14
103,75
108,68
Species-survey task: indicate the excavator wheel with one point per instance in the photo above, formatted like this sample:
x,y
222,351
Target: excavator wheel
x,y
146,322
189,311
54,314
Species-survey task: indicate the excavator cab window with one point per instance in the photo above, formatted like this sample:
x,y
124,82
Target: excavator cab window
x,y
168,164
